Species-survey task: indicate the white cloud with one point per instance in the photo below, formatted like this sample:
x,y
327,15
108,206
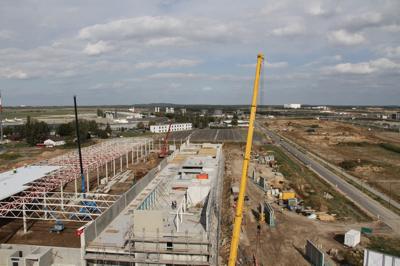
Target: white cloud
x,y
392,51
168,63
364,20
6,34
8,73
207,88
392,28
378,65
276,64
203,76
317,10
175,75
267,65
346,38
289,30
160,30
97,48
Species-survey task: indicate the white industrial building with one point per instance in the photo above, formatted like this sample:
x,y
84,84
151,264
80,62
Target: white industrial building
x,y
174,127
169,110
292,106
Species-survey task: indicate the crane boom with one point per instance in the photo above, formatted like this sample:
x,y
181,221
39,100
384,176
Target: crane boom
x,y
164,149
243,182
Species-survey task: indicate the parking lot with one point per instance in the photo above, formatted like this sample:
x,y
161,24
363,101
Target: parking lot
x,y
236,135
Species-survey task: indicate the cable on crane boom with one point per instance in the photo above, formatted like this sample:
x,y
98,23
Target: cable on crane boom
x,y
243,182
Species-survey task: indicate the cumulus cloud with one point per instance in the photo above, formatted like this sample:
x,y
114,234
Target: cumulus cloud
x,y
363,20
174,75
344,37
207,88
160,30
378,65
9,73
289,30
392,51
6,34
317,10
391,28
97,48
168,63
267,65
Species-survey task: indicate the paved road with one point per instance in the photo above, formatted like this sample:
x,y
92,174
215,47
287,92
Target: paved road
x,y
357,196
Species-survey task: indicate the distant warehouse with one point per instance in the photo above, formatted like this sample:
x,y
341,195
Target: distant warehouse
x,y
174,127
292,106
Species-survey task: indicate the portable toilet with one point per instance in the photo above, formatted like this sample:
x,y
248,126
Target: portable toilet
x,y
352,238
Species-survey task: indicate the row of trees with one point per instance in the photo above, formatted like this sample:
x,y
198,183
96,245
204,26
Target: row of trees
x,y
86,129
196,120
34,131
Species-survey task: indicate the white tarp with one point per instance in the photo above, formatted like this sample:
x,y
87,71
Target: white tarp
x,y
12,183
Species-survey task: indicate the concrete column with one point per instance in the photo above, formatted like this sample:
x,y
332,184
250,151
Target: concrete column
x,y
114,167
132,156
62,195
137,154
127,160
45,205
76,186
120,163
107,171
87,180
24,218
98,174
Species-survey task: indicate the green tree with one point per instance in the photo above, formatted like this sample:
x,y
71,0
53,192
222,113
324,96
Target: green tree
x,y
35,131
108,129
140,125
100,113
65,130
234,121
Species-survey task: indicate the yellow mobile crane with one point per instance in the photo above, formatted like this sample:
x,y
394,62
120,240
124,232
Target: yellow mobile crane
x,y
243,181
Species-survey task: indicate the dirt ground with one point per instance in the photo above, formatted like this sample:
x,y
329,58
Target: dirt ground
x,y
19,155
285,243
365,153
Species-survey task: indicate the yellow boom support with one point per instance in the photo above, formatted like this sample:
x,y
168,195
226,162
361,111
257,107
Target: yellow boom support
x,y
243,181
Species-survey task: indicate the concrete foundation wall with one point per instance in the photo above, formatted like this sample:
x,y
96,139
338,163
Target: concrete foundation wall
x,y
55,256
97,226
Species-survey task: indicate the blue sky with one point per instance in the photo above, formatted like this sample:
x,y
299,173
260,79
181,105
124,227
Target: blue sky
x,y
199,52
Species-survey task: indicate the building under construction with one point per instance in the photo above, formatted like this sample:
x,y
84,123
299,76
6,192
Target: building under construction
x,y
170,218
48,192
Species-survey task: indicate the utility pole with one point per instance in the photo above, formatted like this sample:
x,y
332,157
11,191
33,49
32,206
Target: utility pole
x,y
78,139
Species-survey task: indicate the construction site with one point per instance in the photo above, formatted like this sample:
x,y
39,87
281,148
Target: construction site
x,y
207,196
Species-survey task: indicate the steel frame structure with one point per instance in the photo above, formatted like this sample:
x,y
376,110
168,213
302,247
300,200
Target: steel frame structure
x,y
41,201
81,207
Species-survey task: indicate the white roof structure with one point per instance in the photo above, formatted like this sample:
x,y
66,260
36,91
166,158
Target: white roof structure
x,y
12,183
